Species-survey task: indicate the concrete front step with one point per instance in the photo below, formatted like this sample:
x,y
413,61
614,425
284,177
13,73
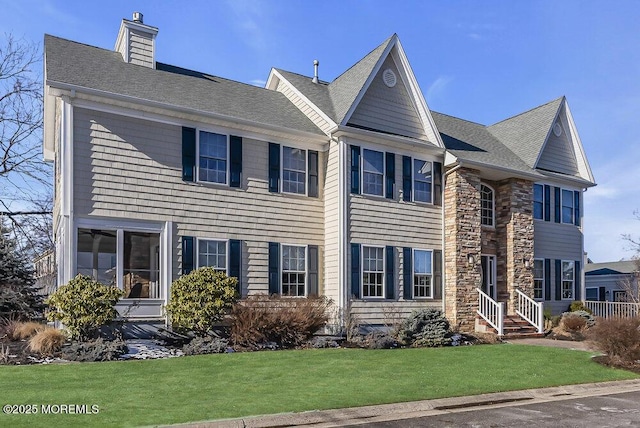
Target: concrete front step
x,y
514,327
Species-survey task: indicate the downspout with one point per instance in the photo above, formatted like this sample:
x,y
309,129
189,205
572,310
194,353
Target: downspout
x,y
444,271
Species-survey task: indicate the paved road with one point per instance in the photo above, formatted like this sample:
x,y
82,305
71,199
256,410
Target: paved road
x,y
611,410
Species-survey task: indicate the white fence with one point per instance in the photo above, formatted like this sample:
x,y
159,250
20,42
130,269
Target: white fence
x,y
491,311
530,310
613,309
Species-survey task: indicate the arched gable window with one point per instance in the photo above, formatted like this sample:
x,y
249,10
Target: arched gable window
x,y
487,206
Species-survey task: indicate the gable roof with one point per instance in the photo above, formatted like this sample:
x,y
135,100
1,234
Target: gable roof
x,y
473,144
612,268
75,65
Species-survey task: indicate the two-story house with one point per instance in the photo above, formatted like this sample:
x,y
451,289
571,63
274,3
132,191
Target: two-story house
x,y
352,189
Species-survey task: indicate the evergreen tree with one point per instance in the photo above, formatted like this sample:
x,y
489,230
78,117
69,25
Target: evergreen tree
x,y
19,297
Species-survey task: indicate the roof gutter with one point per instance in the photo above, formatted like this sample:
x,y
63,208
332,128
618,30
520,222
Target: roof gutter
x,y
343,130
62,89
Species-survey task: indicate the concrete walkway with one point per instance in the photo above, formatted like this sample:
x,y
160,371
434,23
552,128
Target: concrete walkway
x,y
416,409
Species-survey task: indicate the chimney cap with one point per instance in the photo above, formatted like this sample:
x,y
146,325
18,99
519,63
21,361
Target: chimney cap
x,y
137,17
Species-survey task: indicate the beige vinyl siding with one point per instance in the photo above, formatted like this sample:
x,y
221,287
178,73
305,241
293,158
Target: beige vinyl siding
x,y
389,110
140,48
129,168
332,218
389,313
303,106
558,154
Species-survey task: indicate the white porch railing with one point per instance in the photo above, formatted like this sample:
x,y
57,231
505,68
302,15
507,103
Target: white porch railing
x,y
613,309
491,311
530,310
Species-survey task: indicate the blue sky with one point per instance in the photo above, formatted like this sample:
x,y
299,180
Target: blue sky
x,y
482,61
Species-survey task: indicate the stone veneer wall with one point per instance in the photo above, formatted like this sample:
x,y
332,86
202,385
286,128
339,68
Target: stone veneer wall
x,y
462,238
514,226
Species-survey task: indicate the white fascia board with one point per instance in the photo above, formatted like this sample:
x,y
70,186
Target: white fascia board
x,y
49,129
511,172
384,139
280,77
428,123
367,83
450,159
180,114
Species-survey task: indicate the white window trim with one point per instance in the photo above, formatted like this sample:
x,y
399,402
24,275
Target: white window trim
x,y
226,249
573,206
413,275
543,201
306,269
543,280
362,171
562,280
213,183
493,210
120,227
384,272
413,182
306,170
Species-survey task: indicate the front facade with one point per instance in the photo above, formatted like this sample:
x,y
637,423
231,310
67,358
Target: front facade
x,y
351,189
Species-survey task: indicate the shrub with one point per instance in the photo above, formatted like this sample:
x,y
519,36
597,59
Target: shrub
x,y
205,345
287,322
427,327
578,305
200,299
619,338
84,305
379,340
25,330
589,319
47,341
96,350
573,323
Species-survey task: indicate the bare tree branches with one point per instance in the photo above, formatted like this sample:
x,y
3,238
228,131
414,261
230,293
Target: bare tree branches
x,y
21,112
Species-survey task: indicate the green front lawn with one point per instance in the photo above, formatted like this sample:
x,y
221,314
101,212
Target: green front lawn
x,y
131,393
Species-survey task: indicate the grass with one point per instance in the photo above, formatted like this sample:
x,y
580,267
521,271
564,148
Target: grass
x,y
134,393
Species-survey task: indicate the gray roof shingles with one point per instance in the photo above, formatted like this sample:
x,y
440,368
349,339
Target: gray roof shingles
x,y
612,268
99,69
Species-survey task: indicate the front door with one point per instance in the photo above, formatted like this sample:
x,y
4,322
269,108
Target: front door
x,y
489,276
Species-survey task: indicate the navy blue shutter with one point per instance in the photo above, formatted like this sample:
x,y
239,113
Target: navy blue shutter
x,y
235,257
188,153
235,161
274,268
313,173
437,184
407,273
437,274
558,207
355,270
313,270
576,208
547,202
188,250
406,178
577,283
558,280
390,283
547,279
274,167
355,170
390,174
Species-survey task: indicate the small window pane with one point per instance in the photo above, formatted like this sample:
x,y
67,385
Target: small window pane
x,y
97,255
373,172
212,254
486,205
372,271
294,270
422,173
538,279
212,157
294,175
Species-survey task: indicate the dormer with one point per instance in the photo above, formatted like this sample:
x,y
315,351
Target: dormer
x,y
136,42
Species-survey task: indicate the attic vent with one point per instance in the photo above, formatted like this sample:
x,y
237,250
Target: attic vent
x,y
389,77
557,129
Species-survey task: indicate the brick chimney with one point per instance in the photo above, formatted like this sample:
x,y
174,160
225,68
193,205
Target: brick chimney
x,y
137,42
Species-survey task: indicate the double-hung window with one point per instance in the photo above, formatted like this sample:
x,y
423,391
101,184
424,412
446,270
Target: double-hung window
x,y
422,181
487,205
294,170
213,157
372,272
568,278
294,270
422,274
538,278
538,201
373,173
212,254
567,206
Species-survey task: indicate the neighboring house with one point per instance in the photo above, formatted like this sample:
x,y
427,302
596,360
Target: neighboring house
x,y
352,189
44,272
613,281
